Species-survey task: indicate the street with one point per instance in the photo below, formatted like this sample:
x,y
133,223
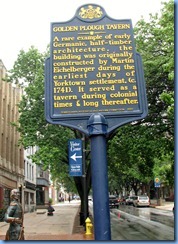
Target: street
x,y
134,228
154,214
144,223
129,227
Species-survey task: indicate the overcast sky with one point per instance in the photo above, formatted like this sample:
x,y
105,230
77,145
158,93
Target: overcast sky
x,y
24,23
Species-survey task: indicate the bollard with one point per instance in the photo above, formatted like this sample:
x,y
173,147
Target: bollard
x,y
88,227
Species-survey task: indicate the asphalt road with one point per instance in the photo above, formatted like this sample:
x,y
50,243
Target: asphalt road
x,y
158,215
125,226
146,224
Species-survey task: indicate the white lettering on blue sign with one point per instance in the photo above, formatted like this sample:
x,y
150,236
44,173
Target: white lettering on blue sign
x,y
74,146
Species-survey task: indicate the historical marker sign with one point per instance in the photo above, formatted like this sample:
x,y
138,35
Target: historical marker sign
x,y
94,68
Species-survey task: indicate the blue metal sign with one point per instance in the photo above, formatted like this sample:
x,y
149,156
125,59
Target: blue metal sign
x,y
93,68
157,182
75,157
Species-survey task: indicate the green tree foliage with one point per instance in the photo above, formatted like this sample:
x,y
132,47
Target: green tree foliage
x,y
155,43
163,169
131,156
138,150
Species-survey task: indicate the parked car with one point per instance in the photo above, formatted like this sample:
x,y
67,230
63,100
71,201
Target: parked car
x,y
143,201
113,201
129,200
121,200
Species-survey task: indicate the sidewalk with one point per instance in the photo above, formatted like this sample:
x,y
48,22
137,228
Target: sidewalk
x,y
164,205
63,225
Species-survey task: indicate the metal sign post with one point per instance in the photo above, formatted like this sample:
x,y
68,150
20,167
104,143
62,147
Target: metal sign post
x,y
157,184
97,127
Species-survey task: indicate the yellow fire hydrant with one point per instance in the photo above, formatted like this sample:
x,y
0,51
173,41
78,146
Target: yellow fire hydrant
x,y
88,226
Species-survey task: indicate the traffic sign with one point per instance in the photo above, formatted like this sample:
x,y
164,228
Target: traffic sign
x,y
75,157
157,182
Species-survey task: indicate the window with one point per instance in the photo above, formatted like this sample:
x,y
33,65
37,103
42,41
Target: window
x,y
33,173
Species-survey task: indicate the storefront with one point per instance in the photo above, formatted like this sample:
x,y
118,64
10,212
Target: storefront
x,y
29,197
42,192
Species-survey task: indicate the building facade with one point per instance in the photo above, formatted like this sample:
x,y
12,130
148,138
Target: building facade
x,y
11,155
36,184
29,187
17,171
42,187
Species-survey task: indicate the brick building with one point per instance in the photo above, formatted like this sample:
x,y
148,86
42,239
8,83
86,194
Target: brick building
x,y
11,156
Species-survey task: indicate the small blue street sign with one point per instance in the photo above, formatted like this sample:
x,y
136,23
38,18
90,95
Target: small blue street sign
x,y
75,157
157,182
